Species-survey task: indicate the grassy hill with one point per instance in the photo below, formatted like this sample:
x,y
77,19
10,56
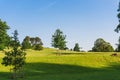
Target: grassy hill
x,y
47,65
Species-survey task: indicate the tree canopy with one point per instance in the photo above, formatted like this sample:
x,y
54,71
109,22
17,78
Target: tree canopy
x,y
32,42
118,26
14,57
100,45
4,37
118,46
76,48
58,40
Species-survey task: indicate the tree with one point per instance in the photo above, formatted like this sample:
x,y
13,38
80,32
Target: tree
x,y
26,43
118,26
118,29
31,42
118,46
76,48
38,41
102,46
4,38
58,40
38,47
15,57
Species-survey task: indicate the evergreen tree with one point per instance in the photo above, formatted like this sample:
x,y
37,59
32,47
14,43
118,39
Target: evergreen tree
x,y
4,38
118,46
15,57
118,26
76,48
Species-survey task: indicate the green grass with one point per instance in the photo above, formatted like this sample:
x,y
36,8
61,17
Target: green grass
x,y
47,65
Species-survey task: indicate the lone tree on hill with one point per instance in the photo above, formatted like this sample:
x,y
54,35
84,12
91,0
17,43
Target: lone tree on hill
x,y
15,57
58,40
4,38
76,48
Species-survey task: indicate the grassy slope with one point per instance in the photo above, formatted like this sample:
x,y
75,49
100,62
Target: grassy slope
x,y
46,65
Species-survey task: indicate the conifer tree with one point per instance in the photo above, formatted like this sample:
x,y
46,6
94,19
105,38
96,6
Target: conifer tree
x,y
15,57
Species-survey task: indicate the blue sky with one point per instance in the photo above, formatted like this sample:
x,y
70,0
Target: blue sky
x,y
83,21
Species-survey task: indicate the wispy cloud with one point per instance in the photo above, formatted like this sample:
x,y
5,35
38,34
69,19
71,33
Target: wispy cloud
x,y
51,4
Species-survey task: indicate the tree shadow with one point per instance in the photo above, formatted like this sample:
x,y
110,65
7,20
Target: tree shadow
x,y
69,53
45,71
52,71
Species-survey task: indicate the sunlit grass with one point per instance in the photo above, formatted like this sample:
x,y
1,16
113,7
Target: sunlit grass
x,y
48,65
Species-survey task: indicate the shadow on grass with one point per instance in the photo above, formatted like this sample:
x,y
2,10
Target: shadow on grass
x,y
69,53
4,75
51,71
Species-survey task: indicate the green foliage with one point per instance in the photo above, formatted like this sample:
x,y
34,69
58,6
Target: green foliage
x,y
4,38
38,47
76,48
102,46
26,43
118,46
31,42
118,26
15,57
58,40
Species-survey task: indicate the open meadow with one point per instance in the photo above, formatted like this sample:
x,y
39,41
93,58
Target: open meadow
x,y
47,65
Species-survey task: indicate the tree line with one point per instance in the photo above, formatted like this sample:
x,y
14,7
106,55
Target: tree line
x,y
58,41
7,42
100,45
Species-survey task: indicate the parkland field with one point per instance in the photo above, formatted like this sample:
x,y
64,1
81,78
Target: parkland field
x,y
47,65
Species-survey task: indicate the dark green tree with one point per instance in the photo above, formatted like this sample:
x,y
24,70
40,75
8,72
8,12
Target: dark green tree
x,y
58,40
38,47
15,57
4,38
101,45
76,48
118,26
118,46
38,41
32,40
26,43
118,29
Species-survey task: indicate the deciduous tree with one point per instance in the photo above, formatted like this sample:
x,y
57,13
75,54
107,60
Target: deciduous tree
x,y
26,43
101,45
58,40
